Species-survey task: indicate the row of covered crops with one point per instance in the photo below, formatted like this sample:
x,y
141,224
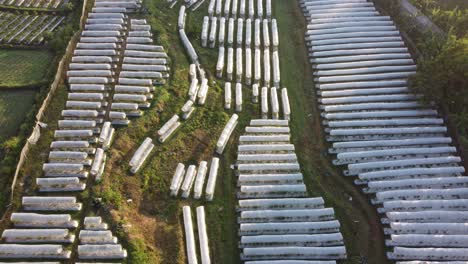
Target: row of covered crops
x,y
278,223
104,79
246,35
396,146
235,35
26,29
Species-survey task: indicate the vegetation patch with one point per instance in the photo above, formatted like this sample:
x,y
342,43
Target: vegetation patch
x,y
448,15
442,75
14,106
21,67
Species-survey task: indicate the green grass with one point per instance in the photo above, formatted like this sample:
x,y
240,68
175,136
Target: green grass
x,y
24,67
14,106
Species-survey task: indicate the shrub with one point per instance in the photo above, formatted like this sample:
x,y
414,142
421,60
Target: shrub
x,y
443,72
59,41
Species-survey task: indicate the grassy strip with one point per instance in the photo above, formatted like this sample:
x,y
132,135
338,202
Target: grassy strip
x,y
19,67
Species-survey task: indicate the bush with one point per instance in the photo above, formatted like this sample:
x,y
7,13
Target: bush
x,y
443,72
450,17
59,41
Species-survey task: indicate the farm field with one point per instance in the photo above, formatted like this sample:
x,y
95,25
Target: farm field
x,y
141,204
23,67
14,106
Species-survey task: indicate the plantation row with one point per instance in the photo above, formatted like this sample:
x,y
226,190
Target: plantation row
x,y
35,3
278,223
26,29
235,36
396,146
248,41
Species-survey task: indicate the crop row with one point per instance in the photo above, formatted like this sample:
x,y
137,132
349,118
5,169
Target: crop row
x,y
26,29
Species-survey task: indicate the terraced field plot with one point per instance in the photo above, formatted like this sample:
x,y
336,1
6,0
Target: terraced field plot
x,y
23,67
26,29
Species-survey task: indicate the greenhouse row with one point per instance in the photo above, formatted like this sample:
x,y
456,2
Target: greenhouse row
x,y
244,64
240,8
275,102
96,242
190,236
198,87
226,133
278,223
143,66
381,132
140,155
169,127
235,38
197,93
192,54
193,178
25,29
248,54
